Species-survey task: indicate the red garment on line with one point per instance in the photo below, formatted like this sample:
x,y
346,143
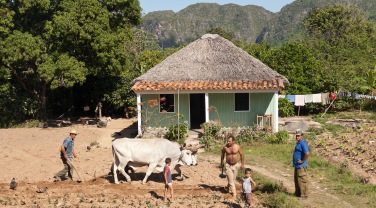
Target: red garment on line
x,y
333,95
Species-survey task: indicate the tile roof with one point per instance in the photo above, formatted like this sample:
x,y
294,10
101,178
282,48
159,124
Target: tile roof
x,y
208,85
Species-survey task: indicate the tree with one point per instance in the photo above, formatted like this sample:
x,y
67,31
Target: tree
x,y
298,63
293,60
220,31
345,42
51,44
6,23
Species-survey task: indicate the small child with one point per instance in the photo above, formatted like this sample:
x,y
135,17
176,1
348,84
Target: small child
x,y
168,179
247,187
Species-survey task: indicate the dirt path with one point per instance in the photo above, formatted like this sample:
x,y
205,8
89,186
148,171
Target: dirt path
x,y
319,195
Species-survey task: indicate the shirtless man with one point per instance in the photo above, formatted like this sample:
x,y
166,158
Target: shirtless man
x,y
231,150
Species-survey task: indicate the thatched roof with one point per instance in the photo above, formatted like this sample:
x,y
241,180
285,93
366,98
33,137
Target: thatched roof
x,y
210,63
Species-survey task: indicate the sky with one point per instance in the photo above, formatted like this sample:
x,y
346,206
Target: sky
x,y
177,5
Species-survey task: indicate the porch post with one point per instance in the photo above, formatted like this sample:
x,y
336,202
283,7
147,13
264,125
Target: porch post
x,y
207,107
139,114
275,116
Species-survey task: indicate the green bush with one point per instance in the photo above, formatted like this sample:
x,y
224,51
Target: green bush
x,y
211,128
208,140
343,104
282,137
246,135
285,108
176,132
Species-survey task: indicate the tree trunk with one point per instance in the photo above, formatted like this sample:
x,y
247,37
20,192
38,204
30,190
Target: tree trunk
x,y
42,101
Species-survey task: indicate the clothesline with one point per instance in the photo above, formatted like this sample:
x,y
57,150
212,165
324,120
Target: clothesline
x,y
323,98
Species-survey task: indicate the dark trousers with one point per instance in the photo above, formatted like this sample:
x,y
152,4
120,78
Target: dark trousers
x,y
248,199
67,169
301,182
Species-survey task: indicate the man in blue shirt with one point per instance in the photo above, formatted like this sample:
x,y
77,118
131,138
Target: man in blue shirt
x,y
300,161
66,153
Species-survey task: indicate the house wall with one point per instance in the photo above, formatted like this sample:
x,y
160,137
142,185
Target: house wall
x,y
224,103
260,103
152,117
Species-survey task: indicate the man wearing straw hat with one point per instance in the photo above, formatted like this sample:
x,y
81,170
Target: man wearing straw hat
x,y
66,153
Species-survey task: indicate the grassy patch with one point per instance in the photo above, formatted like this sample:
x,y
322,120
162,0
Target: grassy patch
x,y
335,129
279,152
271,193
339,180
279,199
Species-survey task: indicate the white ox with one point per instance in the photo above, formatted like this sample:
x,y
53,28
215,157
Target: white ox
x,y
152,152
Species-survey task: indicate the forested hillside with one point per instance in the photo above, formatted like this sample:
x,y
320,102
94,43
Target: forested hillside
x,y
287,24
248,23
171,29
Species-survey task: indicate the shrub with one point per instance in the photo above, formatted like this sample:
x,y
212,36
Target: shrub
x,y
176,131
210,130
285,108
282,137
271,139
208,140
246,135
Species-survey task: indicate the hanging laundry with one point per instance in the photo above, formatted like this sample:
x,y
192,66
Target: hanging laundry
x,y
324,98
299,100
317,98
291,98
308,98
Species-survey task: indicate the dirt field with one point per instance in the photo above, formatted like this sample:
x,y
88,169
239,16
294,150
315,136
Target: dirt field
x,y
32,157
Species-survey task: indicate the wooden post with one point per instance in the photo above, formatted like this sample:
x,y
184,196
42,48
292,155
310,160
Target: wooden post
x,y
299,110
100,110
328,107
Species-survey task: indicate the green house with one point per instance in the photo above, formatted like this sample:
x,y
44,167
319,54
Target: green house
x,y
209,79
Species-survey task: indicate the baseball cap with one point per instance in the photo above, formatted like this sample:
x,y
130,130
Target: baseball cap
x,y
298,132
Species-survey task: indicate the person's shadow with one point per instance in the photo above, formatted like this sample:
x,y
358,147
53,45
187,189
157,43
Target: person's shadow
x,y
129,132
231,204
222,190
155,195
213,188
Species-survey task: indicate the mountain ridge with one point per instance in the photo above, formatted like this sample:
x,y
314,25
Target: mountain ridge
x,y
252,24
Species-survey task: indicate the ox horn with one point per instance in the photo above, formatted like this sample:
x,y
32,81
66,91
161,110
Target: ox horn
x,y
194,148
